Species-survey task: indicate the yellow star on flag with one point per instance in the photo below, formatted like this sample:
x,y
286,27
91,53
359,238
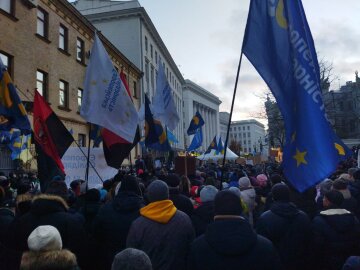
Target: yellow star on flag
x,y
300,157
196,120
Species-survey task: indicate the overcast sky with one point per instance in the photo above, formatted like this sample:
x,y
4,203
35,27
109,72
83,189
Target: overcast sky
x,y
204,39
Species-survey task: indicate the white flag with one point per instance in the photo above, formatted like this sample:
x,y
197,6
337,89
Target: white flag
x,y
105,101
163,103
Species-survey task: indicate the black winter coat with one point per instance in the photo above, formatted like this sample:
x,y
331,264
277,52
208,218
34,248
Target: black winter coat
x,y
112,224
232,244
181,202
6,218
289,229
50,210
336,234
202,216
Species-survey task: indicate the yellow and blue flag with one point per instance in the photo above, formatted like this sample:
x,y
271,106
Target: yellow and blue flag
x,y
220,148
12,111
19,144
155,134
171,137
279,44
196,122
213,145
196,141
95,134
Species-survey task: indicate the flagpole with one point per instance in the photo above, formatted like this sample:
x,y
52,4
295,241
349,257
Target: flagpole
x,y
231,111
88,162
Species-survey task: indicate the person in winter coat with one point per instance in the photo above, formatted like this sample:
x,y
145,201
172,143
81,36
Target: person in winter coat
x,y
180,201
45,251
112,224
204,214
349,202
230,243
162,232
248,196
335,234
288,228
49,210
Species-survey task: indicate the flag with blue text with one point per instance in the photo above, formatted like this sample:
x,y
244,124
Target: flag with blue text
x,y
196,141
196,122
12,111
105,101
279,44
164,107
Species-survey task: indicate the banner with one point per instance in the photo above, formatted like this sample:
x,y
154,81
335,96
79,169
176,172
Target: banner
x,y
75,166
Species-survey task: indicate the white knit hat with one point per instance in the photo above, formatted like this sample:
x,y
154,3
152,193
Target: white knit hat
x,y
45,238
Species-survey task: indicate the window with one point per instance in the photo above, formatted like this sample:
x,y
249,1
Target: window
x,y
167,73
63,94
248,134
243,128
82,140
152,78
248,127
244,142
156,57
79,98
63,38
147,71
7,6
80,50
135,90
7,61
41,83
151,50
42,23
146,44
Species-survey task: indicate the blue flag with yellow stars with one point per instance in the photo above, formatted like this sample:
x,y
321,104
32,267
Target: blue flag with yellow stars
x,y
213,145
196,122
12,111
155,134
279,44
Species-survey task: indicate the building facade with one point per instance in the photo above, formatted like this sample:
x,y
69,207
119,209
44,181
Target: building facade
x,y
223,122
46,46
249,134
127,25
198,99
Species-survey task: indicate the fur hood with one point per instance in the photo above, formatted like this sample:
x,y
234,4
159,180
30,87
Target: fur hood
x,y
49,260
51,198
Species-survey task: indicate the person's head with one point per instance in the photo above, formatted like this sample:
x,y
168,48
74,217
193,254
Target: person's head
x,y
131,259
76,187
351,172
23,204
57,188
172,180
208,193
244,182
209,181
280,192
352,263
236,191
44,238
339,184
275,178
157,191
92,195
325,186
261,180
333,199
356,175
227,203
130,184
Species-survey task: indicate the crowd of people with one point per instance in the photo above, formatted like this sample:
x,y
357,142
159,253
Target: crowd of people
x,y
251,218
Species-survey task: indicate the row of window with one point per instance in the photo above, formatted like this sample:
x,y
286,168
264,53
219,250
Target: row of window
x,y
42,30
239,128
239,135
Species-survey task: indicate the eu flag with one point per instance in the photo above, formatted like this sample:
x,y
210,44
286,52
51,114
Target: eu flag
x,y
12,111
196,122
196,141
279,44
213,145
155,134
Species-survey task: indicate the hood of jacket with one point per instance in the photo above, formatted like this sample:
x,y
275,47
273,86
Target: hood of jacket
x,y
45,204
160,211
231,236
340,220
127,202
55,259
205,211
6,212
284,209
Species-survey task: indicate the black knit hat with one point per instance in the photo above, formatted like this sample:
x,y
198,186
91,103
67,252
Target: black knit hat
x,y
334,197
340,184
58,188
130,184
281,192
227,203
172,180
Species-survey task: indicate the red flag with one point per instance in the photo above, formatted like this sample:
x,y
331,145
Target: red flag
x,y
49,132
116,148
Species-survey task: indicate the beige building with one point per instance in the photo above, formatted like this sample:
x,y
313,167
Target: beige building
x,y
46,46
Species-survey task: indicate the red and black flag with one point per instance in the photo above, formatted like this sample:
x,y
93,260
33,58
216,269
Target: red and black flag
x,y
52,139
116,148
